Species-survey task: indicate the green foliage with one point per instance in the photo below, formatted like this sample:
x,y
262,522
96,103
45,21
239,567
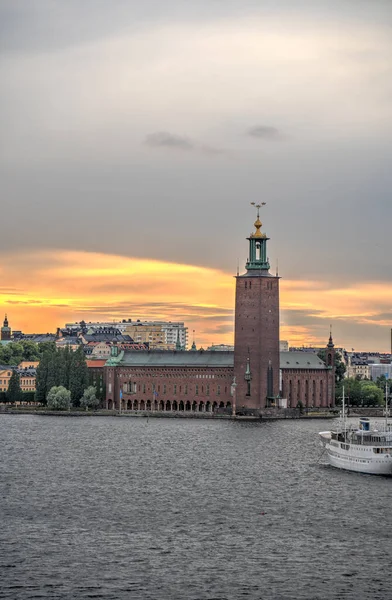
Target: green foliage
x,y
58,398
340,367
360,392
382,381
78,375
96,379
28,397
3,397
14,392
62,367
14,352
89,398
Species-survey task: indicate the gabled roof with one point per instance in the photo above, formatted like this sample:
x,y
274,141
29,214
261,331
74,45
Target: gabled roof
x,y
301,360
177,359
202,358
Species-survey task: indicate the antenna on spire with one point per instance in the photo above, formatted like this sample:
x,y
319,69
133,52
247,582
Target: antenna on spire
x,y
238,266
277,268
258,206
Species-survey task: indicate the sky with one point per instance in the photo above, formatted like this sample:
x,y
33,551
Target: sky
x,y
135,135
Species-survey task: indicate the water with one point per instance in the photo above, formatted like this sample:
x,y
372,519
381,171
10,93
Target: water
x,y
119,508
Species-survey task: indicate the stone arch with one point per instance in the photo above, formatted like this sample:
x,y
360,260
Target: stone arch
x,y
155,405
201,406
181,405
142,405
148,405
214,406
174,405
136,405
110,404
129,405
161,405
208,406
222,405
194,406
187,405
228,404
168,405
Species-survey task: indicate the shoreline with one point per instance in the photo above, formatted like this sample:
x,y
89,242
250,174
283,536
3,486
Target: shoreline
x,y
164,414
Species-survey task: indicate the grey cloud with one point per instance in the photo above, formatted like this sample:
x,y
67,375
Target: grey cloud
x,y
164,139
169,140
265,132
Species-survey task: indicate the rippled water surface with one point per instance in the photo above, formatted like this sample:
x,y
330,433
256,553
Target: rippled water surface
x,y
117,508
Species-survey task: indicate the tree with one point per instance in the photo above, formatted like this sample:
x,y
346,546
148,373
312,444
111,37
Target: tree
x,y
14,352
340,367
371,394
78,375
359,392
41,388
14,392
89,398
58,398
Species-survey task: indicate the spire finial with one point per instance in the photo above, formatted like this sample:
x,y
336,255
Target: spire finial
x,y
277,268
258,223
330,341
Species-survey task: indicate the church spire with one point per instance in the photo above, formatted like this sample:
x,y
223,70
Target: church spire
x,y
258,260
330,341
178,343
5,331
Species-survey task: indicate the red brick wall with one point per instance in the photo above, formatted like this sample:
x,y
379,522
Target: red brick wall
x,y
306,385
256,336
181,384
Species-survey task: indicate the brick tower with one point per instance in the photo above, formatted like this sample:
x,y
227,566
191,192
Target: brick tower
x,y
256,351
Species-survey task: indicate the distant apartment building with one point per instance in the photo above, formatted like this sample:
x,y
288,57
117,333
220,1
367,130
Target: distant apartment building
x,y
379,370
367,365
283,346
5,376
27,374
158,334
358,371
221,348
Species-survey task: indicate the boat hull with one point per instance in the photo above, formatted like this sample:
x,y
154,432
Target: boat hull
x,y
352,457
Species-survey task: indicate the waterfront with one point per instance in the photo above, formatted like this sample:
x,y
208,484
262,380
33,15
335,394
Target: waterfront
x,y
173,508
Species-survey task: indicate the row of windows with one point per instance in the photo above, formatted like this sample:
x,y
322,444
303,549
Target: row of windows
x,y
168,375
24,389
167,372
129,387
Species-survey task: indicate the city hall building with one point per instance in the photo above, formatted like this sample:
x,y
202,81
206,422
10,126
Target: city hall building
x,y
255,376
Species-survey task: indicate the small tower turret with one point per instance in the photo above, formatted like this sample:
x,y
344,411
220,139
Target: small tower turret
x,y
5,331
330,362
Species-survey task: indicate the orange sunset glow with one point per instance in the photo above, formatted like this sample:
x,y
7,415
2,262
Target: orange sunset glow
x,y
48,288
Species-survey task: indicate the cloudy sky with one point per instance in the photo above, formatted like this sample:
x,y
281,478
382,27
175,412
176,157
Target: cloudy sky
x,y
136,134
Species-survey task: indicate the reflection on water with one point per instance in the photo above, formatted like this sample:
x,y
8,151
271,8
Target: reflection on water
x,y
174,509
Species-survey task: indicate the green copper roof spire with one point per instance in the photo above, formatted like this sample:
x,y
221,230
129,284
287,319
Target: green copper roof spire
x,y
178,343
258,260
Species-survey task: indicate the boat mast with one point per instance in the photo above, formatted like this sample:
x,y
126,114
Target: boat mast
x,y
386,406
344,413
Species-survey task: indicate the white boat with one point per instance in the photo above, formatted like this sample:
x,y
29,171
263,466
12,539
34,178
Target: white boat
x,y
366,448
